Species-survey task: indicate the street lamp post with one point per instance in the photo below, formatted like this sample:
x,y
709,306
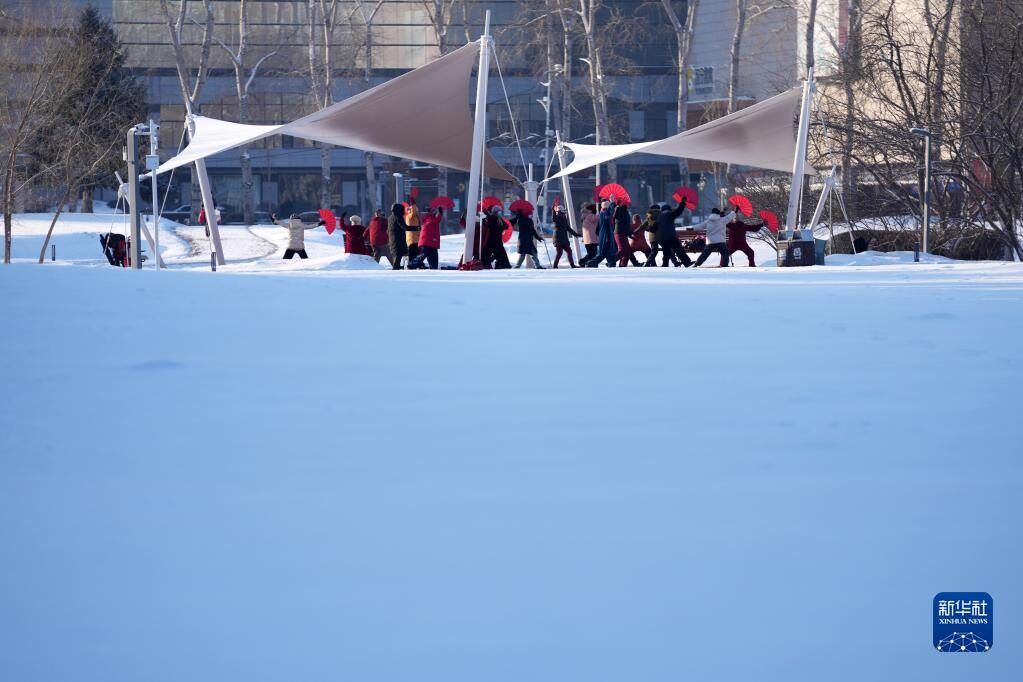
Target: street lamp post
x,y
926,226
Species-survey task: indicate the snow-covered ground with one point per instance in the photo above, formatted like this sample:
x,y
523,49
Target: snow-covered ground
x,y
326,470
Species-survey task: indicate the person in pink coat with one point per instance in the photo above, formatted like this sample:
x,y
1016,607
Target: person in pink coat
x,y
591,240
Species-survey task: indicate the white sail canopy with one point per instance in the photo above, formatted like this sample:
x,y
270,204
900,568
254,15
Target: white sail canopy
x,y
761,135
422,115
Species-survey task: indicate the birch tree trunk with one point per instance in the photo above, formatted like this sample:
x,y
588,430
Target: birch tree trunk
x,y
190,92
369,160
588,19
683,47
566,76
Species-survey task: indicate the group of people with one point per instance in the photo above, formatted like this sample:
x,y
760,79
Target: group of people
x,y
611,235
405,238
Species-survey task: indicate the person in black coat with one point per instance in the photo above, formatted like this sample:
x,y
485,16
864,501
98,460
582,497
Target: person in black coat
x,y
528,234
494,254
562,228
667,237
396,235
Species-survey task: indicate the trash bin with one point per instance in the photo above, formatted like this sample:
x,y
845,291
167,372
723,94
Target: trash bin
x,y
820,247
795,253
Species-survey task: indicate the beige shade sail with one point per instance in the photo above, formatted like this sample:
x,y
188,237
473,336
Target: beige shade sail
x,y
761,135
422,115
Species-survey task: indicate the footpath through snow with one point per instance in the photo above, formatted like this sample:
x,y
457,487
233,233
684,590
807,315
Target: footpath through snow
x,y
597,475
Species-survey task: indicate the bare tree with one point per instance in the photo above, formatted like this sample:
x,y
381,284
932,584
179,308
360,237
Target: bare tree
x,y
244,75
367,12
30,59
323,17
588,16
191,89
683,48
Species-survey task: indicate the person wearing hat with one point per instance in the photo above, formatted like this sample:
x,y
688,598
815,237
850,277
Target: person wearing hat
x,y
494,254
355,236
588,222
623,231
396,236
716,225
562,228
296,236
528,234
668,238
606,248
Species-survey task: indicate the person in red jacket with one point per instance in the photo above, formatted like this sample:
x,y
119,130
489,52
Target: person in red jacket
x,y
737,239
355,237
429,240
378,237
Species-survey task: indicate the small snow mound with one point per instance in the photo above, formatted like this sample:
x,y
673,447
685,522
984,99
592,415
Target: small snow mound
x,y
883,258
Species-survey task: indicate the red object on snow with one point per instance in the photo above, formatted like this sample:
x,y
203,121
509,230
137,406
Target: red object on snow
x,y
613,190
471,266
521,205
770,219
489,203
413,193
689,194
507,234
329,219
744,205
442,202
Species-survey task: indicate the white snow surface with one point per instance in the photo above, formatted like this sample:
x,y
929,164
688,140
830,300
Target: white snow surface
x,y
323,470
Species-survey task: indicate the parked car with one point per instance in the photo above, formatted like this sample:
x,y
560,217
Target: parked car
x,y
182,214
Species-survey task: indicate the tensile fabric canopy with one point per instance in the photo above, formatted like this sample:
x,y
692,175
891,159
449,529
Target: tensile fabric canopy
x,y
761,135
422,115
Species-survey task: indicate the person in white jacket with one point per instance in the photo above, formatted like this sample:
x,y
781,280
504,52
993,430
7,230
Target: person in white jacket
x,y
717,236
296,235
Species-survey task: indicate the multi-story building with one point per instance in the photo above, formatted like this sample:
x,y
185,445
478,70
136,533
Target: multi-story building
x,y
287,171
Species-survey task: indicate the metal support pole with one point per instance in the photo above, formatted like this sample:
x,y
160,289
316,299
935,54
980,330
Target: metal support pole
x,y
566,194
799,163
207,200
479,135
133,199
152,163
927,190
926,195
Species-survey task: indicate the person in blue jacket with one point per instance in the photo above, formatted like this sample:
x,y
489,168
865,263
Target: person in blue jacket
x,y
607,250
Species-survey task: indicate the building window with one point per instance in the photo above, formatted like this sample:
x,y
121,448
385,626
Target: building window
x,y
637,125
703,80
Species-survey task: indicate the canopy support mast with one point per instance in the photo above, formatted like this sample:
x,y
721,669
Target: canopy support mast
x,y
799,163
479,136
566,193
207,199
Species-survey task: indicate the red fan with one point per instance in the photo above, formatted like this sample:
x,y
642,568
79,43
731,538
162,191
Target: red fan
x,y
744,205
329,220
413,194
689,194
442,202
596,192
489,203
770,219
615,191
521,205
557,201
507,234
